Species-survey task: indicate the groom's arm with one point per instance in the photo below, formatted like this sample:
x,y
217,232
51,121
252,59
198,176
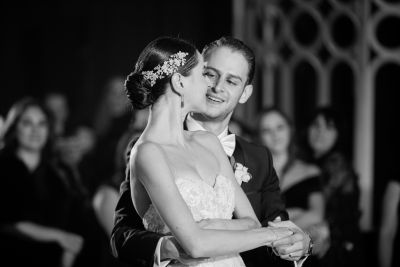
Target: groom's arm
x,y
130,242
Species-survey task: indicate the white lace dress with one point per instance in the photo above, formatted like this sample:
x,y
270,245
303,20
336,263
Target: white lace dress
x,y
204,202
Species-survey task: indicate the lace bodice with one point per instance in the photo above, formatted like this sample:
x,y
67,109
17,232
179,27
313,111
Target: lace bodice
x,y
204,202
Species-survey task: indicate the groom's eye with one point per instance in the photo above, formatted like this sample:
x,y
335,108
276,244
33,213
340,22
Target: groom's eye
x,y
230,82
209,74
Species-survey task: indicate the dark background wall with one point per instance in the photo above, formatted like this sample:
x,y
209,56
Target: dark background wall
x,y
75,47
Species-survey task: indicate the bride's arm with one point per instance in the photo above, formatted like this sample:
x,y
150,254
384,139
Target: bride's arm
x,y
228,224
150,166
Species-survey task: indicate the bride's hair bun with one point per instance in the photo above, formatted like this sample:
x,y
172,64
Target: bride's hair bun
x,y
144,85
139,91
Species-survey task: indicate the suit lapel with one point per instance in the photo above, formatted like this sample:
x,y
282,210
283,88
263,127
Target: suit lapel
x,y
238,154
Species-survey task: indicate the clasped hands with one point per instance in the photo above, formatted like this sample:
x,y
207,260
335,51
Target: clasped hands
x,y
290,247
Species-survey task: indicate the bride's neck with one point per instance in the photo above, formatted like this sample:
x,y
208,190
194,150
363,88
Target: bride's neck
x,y
165,124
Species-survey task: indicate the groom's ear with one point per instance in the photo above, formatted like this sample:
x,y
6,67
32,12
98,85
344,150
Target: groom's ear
x,y
248,90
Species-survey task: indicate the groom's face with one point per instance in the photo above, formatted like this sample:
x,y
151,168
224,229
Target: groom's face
x,y
227,71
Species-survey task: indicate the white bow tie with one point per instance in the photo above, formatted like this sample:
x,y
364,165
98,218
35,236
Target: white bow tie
x,y
228,142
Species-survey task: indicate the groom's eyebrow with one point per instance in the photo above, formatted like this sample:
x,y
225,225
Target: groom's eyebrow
x,y
212,68
235,77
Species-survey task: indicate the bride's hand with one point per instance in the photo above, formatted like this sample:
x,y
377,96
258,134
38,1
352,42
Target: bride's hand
x,y
276,233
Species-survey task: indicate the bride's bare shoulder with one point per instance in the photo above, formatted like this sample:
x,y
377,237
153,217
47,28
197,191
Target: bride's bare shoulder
x,y
146,150
148,162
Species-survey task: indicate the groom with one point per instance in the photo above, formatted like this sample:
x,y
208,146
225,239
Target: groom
x,y
231,69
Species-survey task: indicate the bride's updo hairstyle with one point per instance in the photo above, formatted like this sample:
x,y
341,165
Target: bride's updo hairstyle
x,y
144,85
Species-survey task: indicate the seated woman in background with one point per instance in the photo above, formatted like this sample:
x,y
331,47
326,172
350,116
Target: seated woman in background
x,y
42,222
105,199
325,142
107,193
299,181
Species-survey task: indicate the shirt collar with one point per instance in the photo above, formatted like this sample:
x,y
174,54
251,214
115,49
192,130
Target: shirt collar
x,y
193,125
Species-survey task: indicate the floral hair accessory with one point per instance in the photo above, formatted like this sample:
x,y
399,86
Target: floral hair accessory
x,y
241,173
169,67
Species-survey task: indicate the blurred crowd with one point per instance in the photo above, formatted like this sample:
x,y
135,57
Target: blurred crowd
x,y
60,184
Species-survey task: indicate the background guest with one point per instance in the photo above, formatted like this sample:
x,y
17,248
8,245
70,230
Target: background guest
x,y
110,123
42,222
114,127
71,143
107,193
340,187
299,181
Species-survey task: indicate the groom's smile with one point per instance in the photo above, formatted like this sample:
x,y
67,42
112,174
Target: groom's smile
x,y
214,99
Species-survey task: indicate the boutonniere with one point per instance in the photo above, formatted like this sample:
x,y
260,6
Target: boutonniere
x,y
241,173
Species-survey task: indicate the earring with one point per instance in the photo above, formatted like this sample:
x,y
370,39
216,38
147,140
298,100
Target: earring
x,y
182,101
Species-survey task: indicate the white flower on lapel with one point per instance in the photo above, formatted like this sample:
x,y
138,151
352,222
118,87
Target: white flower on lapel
x,y
241,173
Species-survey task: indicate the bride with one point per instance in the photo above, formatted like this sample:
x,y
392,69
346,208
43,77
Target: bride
x,y
182,182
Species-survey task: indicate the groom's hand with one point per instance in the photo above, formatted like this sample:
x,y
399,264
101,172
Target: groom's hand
x,y
292,247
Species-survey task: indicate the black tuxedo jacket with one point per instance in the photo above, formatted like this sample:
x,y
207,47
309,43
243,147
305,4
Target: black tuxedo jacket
x,y
131,243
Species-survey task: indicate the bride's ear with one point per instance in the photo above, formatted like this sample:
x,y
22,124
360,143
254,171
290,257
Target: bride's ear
x,y
177,83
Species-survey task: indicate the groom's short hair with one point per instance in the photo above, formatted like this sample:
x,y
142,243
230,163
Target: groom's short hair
x,y
236,45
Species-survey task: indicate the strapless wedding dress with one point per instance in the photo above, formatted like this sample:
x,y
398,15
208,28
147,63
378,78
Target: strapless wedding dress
x,y
204,202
